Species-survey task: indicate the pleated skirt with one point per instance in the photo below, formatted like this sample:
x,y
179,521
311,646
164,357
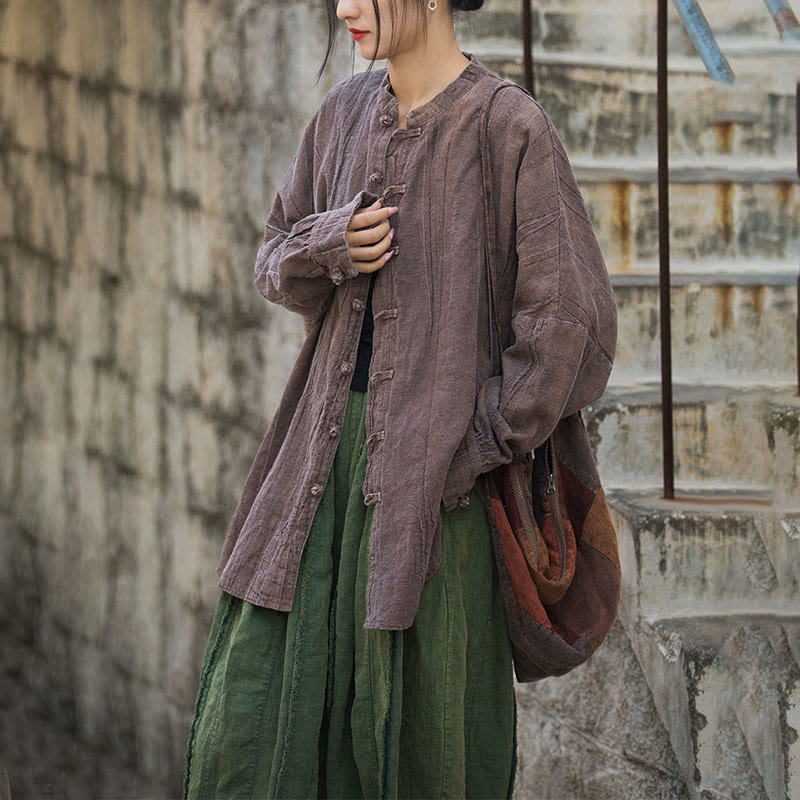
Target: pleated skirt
x,y
308,703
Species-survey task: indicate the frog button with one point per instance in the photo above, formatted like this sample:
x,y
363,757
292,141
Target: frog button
x,y
346,366
357,304
333,431
376,177
377,436
316,489
381,375
386,119
463,500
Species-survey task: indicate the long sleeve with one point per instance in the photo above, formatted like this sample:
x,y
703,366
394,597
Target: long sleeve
x,y
304,254
563,314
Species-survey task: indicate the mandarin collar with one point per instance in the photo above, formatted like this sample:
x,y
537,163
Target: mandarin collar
x,y
387,102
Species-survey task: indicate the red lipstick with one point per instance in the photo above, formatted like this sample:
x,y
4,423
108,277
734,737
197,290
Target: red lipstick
x,y
357,34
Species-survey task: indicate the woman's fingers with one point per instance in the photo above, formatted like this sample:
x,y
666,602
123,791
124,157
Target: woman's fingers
x,y
369,236
366,218
372,257
371,266
365,237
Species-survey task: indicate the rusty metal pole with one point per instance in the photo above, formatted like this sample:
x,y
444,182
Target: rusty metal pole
x,y
663,253
527,46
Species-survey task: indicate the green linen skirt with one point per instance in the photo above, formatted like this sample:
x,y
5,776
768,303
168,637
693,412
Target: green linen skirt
x,y
309,703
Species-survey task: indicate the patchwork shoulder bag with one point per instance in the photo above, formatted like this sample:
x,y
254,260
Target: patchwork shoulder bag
x,y
555,544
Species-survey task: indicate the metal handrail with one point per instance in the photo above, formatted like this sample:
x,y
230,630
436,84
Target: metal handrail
x,y
527,46
663,255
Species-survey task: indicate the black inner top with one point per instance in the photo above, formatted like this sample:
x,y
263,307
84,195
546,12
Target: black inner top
x,y
364,354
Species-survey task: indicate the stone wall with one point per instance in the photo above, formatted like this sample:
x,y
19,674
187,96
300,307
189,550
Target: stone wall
x,y
141,142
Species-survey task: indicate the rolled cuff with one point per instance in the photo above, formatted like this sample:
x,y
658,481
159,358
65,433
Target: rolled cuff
x,y
483,447
327,245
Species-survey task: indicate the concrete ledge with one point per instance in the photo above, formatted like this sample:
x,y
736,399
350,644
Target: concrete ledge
x,y
742,436
679,278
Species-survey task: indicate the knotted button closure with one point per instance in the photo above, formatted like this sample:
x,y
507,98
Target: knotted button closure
x,y
381,375
377,436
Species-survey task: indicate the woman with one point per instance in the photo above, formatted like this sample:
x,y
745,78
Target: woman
x,y
360,645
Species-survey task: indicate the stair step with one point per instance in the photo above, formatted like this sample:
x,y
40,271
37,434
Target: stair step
x,y
708,220
725,686
746,434
713,556
709,607
782,423
724,325
606,106
698,171
703,657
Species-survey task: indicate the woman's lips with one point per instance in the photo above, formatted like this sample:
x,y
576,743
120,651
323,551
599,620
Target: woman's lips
x,y
357,34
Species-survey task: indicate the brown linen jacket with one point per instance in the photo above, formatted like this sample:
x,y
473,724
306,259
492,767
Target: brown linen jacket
x,y
436,418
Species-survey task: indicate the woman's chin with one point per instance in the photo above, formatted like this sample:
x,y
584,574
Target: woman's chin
x,y
366,48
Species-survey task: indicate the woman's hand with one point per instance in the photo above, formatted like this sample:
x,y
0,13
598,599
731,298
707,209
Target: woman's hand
x,y
369,245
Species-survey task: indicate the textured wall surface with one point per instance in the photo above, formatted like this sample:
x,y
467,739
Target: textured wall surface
x,y
140,145
141,142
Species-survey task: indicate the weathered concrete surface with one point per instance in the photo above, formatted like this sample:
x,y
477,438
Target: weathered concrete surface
x,y
695,693
604,107
140,147
626,30
725,327
729,434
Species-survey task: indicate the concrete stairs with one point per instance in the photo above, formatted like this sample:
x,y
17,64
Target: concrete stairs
x,y
696,691
628,29
734,198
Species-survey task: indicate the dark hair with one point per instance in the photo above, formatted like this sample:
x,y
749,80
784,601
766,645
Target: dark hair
x,y
334,23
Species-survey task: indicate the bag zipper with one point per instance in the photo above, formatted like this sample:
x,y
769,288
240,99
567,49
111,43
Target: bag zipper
x,y
552,488
527,522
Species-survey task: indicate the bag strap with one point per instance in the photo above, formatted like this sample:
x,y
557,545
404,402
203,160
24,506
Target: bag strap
x,y
489,221
489,239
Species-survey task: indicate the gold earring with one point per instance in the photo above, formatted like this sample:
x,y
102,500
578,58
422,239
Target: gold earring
x,y
432,5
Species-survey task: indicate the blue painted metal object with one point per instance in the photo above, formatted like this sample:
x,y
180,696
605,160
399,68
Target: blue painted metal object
x,y
784,17
703,38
